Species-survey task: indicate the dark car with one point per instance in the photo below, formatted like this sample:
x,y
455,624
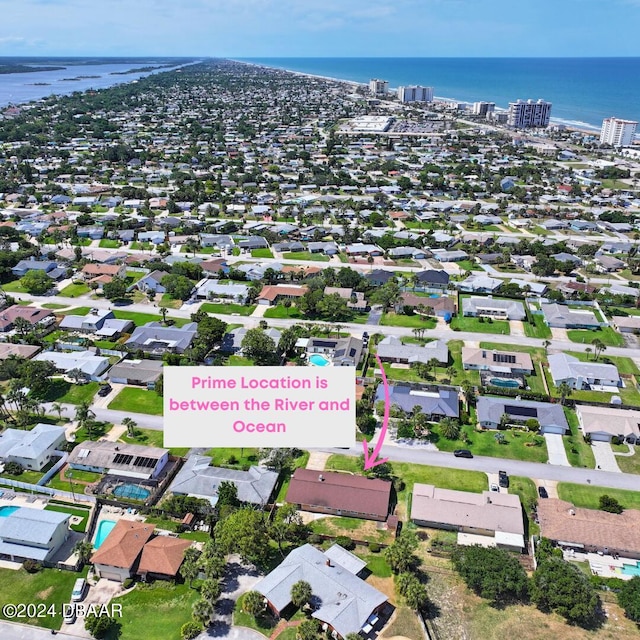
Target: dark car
x,y
104,391
463,453
503,479
542,492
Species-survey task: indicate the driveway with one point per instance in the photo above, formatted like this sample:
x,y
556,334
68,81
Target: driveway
x,y
555,448
237,580
374,315
100,593
605,459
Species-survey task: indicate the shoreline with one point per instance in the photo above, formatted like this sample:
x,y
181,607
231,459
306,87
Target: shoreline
x,y
572,125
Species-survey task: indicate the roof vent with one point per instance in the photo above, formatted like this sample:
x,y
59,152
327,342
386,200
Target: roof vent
x,y
572,512
328,562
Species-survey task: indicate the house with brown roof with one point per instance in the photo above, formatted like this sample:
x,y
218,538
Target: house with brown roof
x,y
162,557
340,494
273,294
590,530
92,270
31,314
119,554
442,307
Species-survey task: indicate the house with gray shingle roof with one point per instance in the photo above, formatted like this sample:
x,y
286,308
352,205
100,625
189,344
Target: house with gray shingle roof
x,y
345,602
154,337
31,449
550,416
440,403
564,317
200,480
391,349
493,308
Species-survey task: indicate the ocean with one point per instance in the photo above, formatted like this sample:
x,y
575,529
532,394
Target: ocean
x,y
583,91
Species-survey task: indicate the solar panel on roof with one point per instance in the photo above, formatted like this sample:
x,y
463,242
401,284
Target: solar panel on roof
x,y
142,461
527,412
122,458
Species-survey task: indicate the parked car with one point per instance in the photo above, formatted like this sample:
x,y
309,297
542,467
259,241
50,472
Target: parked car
x,y
503,479
78,590
542,492
69,613
463,453
104,391
494,487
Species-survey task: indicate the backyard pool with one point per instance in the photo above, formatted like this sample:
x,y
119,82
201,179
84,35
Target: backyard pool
x,y
507,383
318,360
104,529
7,511
631,569
133,491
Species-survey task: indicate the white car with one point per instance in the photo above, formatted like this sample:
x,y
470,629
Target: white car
x,y
494,487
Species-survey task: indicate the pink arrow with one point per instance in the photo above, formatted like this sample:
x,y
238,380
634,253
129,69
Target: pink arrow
x,y
370,459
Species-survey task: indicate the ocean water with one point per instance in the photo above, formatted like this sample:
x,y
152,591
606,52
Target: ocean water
x,y
18,88
583,91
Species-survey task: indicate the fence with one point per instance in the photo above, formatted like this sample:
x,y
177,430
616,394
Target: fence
x,y
56,467
49,491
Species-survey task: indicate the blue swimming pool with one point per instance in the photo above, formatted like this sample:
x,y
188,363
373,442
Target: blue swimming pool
x,y
133,491
318,360
507,383
631,569
7,511
104,529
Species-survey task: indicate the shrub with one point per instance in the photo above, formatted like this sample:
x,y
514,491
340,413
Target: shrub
x,y
31,566
374,547
607,503
190,630
128,583
346,543
314,538
13,468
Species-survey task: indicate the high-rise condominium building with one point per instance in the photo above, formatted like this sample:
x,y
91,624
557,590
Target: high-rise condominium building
x,y
483,108
415,94
524,114
617,132
378,87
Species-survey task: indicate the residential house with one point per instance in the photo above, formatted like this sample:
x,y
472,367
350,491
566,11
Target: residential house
x,y
31,315
604,423
565,317
591,530
8,349
454,255
490,519
90,365
274,294
479,284
360,249
608,264
391,349
142,372
161,558
198,479
626,324
550,417
24,266
93,270
102,322
119,459
581,375
493,308
378,277
512,362
355,299
156,339
33,534
431,281
436,404
209,289
345,603
255,242
214,267
32,449
441,306
344,352
152,282
327,248
340,494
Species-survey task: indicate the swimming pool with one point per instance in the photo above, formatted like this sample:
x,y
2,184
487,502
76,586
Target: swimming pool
x,y
133,491
104,529
7,511
318,360
507,383
631,569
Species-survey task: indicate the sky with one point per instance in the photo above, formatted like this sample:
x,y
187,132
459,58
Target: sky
x,y
320,28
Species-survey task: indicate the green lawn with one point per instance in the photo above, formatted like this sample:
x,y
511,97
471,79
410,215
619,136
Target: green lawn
x,y
31,477
239,361
14,287
305,255
74,511
137,401
528,494
624,365
414,321
53,305
229,309
262,624
469,265
629,464
230,457
171,606
518,444
109,244
134,276
152,438
579,452
261,253
66,392
49,586
538,328
280,311
143,318
76,311
608,336
75,290
588,496
171,303
479,325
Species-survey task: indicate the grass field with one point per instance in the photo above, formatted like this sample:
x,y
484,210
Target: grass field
x,y
305,255
400,320
74,290
75,311
607,335
228,309
475,325
629,464
66,392
171,303
74,511
171,606
228,456
579,452
239,361
137,401
152,438
143,318
280,311
53,305
588,497
50,586
538,328
261,253
262,624
109,244
13,287
528,494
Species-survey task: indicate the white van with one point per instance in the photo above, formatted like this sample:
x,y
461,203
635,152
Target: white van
x,y
78,590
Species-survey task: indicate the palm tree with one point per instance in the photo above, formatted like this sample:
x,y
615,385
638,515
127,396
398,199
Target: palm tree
x,y
451,372
202,611
163,313
599,347
301,593
450,428
131,425
433,365
588,351
58,408
546,344
84,416
565,391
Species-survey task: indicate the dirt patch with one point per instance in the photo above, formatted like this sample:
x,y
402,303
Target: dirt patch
x,y
385,585
45,593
